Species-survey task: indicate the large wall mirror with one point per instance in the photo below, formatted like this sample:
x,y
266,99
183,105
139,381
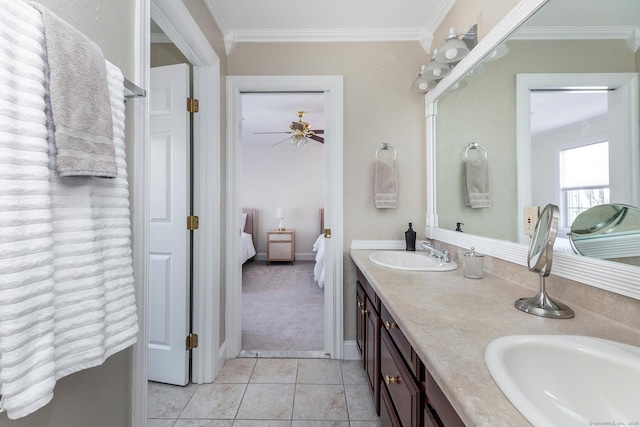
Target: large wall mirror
x,y
553,77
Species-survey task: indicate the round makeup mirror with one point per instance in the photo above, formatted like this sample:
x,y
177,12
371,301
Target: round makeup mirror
x,y
610,231
539,260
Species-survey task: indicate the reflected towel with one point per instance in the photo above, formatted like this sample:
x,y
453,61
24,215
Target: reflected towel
x,y
476,188
79,100
385,187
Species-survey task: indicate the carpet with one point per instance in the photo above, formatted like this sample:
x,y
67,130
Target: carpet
x,y
282,308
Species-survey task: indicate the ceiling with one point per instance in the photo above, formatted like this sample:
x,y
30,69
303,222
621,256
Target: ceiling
x,y
274,112
327,20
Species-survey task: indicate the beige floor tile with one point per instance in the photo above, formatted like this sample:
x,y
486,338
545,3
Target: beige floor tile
x,y
236,371
160,422
203,423
353,372
267,402
275,371
304,423
167,401
261,423
320,402
215,401
359,403
319,371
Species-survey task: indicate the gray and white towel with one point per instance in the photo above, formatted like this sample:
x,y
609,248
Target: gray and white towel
x,y
385,186
79,100
476,185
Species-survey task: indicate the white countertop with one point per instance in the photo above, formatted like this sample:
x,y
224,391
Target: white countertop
x,y
449,320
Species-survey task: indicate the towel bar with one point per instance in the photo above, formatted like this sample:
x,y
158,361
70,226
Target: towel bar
x,y
474,146
385,146
132,90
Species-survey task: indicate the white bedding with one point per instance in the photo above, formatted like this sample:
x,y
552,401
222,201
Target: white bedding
x,y
318,269
247,248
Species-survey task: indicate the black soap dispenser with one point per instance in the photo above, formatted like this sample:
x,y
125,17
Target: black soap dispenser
x,y
410,238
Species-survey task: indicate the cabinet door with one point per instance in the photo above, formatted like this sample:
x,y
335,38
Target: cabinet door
x,y
372,352
404,391
360,317
388,416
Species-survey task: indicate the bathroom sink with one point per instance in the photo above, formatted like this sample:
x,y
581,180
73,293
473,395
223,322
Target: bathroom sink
x,y
568,380
412,261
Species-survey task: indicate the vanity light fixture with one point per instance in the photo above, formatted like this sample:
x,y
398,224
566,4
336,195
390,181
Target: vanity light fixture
x,y
454,49
436,70
421,84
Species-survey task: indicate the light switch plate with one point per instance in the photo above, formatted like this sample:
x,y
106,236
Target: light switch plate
x,y
531,214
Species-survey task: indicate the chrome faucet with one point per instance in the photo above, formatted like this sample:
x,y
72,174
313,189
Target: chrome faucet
x,y
441,255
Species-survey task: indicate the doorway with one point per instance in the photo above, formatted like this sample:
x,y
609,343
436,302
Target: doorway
x,y
331,88
283,183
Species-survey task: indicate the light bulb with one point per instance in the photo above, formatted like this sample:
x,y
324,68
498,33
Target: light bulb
x,y
423,86
437,72
451,53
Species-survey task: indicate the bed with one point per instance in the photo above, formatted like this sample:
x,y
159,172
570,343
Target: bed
x,y
249,224
318,248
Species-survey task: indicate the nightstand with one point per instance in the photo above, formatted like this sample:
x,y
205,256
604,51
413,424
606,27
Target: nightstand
x,y
281,246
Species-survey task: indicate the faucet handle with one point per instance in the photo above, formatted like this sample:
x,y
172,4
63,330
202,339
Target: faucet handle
x,y
445,255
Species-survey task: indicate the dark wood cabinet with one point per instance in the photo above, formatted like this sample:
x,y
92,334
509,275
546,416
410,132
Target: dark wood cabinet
x,y
360,317
404,392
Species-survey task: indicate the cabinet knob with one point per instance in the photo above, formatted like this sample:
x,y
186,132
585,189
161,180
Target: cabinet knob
x,y
389,325
359,304
363,311
392,380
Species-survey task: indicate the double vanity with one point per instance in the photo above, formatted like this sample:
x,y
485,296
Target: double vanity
x,y
424,337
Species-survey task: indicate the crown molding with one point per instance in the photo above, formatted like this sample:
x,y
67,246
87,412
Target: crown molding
x,y
630,34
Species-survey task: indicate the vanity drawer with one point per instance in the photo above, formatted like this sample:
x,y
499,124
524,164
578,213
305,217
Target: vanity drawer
x,y
404,391
406,351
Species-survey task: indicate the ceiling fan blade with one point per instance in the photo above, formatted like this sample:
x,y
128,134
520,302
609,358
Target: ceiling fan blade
x,y
264,133
320,131
280,142
316,138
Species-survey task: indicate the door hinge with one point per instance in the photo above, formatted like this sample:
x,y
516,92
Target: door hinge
x,y
192,341
192,105
193,222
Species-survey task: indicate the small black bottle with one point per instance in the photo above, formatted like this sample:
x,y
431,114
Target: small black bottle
x,y
410,238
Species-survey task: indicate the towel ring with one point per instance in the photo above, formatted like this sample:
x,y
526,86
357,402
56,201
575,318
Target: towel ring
x,y
474,146
385,146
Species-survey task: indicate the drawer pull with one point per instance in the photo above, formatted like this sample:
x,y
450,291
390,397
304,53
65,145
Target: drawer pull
x,y
392,380
389,325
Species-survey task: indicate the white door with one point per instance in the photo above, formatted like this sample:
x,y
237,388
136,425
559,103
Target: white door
x,y
168,359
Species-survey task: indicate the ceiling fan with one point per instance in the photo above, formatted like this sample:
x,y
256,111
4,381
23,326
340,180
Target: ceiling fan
x,y
301,131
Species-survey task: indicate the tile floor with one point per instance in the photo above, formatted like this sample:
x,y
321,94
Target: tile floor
x,y
269,392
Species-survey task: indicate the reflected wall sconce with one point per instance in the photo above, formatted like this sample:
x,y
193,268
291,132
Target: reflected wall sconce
x,y
280,216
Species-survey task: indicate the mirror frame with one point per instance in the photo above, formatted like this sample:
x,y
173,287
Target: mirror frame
x,y
614,277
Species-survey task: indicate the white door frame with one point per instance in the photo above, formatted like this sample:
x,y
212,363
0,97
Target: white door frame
x,y
176,21
332,88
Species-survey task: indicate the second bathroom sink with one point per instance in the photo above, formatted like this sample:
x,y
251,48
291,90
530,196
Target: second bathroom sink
x,y
411,261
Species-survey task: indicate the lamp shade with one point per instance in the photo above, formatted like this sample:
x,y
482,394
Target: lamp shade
x,y
436,70
422,84
453,49
279,213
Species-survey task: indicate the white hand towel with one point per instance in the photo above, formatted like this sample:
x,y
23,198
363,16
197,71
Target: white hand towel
x,y
79,100
476,188
385,186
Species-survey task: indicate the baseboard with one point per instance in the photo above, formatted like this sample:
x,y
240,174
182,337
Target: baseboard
x,y
222,355
350,351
